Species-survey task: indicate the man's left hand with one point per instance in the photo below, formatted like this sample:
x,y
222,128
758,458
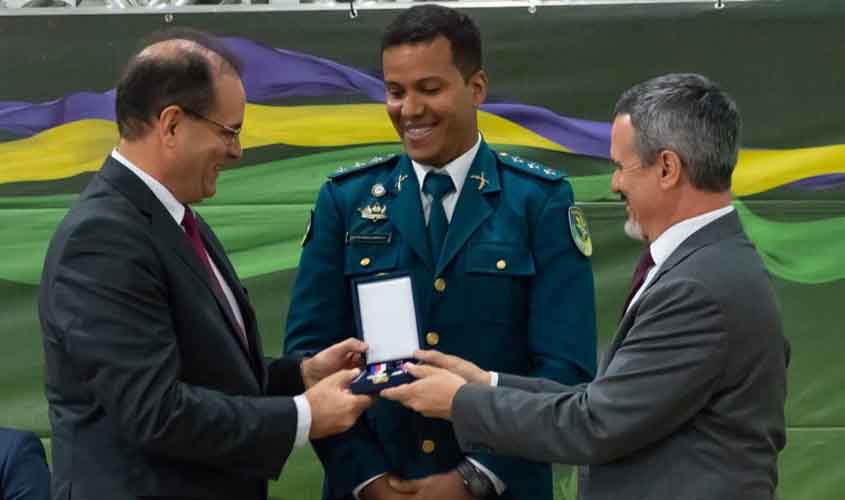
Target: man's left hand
x,y
435,487
431,394
341,356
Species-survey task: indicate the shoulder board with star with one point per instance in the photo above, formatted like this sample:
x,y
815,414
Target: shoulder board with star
x,y
529,167
360,166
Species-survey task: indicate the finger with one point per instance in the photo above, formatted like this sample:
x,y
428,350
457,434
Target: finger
x,y
352,344
361,402
400,393
422,371
432,357
343,378
407,486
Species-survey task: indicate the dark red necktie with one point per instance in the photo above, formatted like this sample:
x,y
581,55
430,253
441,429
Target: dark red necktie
x,y
641,271
189,222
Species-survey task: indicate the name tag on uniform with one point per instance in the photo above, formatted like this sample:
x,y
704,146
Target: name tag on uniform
x,y
386,319
368,238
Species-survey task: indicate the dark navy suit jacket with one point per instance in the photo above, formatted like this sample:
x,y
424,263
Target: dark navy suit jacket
x,y
23,467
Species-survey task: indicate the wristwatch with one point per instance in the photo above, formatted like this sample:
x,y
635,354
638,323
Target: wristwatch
x,y
477,483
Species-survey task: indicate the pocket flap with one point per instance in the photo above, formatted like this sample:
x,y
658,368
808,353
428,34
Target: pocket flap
x,y
509,259
371,255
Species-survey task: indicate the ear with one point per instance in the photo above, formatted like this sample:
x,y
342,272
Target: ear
x,y
168,121
478,85
671,169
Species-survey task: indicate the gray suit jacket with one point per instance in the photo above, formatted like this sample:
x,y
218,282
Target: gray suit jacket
x,y
688,402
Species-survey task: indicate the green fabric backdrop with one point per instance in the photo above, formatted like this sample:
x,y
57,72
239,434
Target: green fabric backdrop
x,y
780,60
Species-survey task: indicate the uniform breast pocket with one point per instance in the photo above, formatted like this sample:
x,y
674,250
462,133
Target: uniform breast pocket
x,y
499,275
371,254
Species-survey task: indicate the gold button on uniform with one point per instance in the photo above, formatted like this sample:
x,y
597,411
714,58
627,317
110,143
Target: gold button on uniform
x,y
432,338
440,284
501,264
428,446
365,261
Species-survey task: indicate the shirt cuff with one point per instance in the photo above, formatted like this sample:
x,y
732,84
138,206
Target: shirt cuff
x,y
303,420
494,382
357,491
497,483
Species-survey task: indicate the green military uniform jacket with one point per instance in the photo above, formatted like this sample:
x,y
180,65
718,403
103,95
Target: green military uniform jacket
x,y
510,292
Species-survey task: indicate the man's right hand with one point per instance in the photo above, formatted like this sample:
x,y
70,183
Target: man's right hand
x,y
333,408
380,489
468,370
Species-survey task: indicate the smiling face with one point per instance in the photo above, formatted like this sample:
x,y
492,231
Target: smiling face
x,y
637,184
205,148
431,105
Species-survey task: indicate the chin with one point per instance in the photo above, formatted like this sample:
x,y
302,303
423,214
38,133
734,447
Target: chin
x,y
427,154
421,157
633,230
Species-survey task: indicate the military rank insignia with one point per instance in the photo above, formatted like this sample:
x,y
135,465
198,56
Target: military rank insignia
x,y
374,212
580,231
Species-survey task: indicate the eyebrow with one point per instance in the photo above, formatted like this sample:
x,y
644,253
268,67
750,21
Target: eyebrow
x,y
420,81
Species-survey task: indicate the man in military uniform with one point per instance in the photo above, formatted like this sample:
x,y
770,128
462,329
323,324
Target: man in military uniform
x,y
499,276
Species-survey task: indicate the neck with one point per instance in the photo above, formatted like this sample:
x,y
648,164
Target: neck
x,y
691,204
139,153
462,151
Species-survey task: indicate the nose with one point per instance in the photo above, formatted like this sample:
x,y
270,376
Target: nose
x,y
615,181
235,151
412,106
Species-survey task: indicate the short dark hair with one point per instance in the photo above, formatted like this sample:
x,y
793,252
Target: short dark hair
x,y
424,23
690,115
186,77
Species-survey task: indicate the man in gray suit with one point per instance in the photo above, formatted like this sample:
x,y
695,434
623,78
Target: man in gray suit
x,y
688,402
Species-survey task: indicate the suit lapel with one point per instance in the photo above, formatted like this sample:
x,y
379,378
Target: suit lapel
x,y
217,254
168,231
721,228
406,209
474,205
162,223
717,230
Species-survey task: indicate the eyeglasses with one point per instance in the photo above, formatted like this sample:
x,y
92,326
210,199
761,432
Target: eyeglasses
x,y
230,134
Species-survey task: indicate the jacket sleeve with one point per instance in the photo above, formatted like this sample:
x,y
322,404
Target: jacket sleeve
x,y
108,302
667,368
285,376
320,315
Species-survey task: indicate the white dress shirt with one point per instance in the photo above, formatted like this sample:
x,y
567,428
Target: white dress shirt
x,y
457,169
177,211
672,238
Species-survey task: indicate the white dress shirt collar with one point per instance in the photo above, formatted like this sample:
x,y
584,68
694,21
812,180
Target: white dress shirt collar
x,y
457,169
672,238
174,208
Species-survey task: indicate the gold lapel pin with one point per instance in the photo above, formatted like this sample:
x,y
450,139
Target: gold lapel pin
x,y
482,181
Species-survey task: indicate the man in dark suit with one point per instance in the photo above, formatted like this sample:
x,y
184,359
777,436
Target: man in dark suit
x,y
155,377
499,276
23,467
689,399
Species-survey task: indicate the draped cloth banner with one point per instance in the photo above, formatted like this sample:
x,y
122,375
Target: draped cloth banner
x,y
315,97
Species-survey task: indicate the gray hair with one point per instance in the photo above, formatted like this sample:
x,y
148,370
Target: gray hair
x,y
690,115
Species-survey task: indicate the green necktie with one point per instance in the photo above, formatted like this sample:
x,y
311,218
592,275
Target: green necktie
x,y
437,186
